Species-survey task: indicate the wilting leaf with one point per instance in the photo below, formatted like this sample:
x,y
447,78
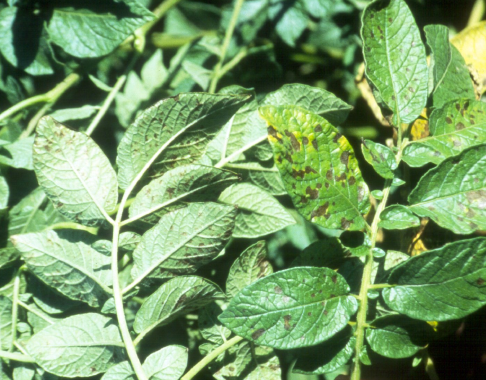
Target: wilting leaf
x,y
79,346
441,284
456,126
395,58
396,336
293,308
259,213
454,193
451,76
73,268
380,157
74,173
318,167
249,267
177,296
398,217
183,240
173,132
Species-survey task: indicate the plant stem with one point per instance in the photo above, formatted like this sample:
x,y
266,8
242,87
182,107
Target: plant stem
x,y
254,168
380,286
15,308
73,226
33,311
49,97
159,12
16,357
477,12
210,357
224,47
429,366
33,122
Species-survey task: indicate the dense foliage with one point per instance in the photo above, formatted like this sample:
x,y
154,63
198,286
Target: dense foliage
x,y
238,190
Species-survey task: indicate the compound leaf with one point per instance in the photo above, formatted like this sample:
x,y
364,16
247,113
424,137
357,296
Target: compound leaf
x,y
73,268
395,59
183,240
79,346
398,217
74,173
454,127
380,157
293,308
441,284
318,167
173,132
454,193
259,213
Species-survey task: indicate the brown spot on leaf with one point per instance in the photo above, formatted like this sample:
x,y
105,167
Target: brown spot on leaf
x,y
334,278
480,281
352,181
325,312
318,128
305,140
344,158
321,211
278,290
477,198
308,169
329,175
314,144
345,223
257,334
313,194
288,157
287,319
342,177
298,173
293,141
279,159
319,185
273,132
303,199
336,137
411,89
313,295
460,126
309,314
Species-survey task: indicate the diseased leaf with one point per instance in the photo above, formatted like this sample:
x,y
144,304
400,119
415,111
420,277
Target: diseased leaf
x,y
398,217
71,267
313,99
5,323
183,240
456,126
451,76
393,258
395,58
79,346
293,308
396,336
380,157
177,296
173,132
259,213
454,193
441,284
187,183
18,154
86,31
74,173
318,168
249,267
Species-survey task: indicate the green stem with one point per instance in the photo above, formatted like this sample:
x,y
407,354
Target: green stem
x,y
380,286
33,122
16,357
33,311
233,62
255,168
429,366
224,47
159,13
73,226
210,357
15,308
477,12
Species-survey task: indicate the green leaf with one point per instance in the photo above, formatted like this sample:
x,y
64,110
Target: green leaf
x,y
398,217
331,354
128,241
396,336
456,126
313,99
8,256
71,267
259,213
183,240
169,363
49,299
187,182
395,58
88,343
269,181
393,258
264,364
454,193
441,284
451,75
318,167
5,322
291,20
177,296
328,253
173,132
120,371
74,173
210,327
293,308
4,193
248,268
18,154
79,113
380,157
92,31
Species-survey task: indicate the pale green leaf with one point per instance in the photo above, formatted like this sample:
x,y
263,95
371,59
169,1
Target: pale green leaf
x,y
84,32
27,216
173,132
393,258
210,327
441,284
120,371
268,180
451,75
154,73
71,267
175,297
5,322
259,213
183,240
395,58
318,168
18,154
293,308
4,193
169,363
398,217
49,299
74,173
454,127
454,193
380,157
79,346
291,20
79,113
249,267
128,241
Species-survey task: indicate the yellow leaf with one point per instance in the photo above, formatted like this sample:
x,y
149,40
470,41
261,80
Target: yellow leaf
x,y
420,127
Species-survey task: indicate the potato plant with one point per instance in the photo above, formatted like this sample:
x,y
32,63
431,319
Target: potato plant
x,y
109,258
